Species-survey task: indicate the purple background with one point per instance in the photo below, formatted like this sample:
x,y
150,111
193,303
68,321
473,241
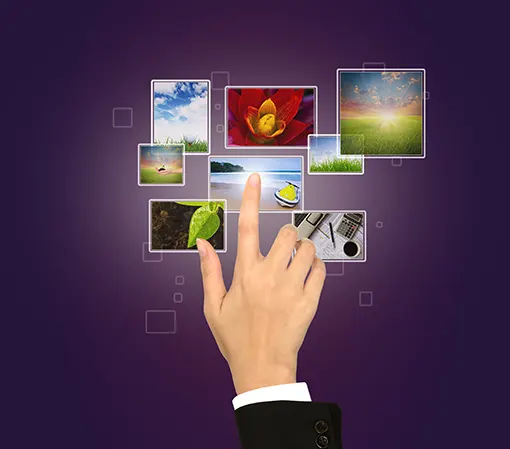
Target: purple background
x,y
421,368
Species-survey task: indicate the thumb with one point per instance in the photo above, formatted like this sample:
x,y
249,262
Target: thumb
x,y
212,277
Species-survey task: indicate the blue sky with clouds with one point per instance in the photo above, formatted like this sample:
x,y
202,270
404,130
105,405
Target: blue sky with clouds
x,y
180,110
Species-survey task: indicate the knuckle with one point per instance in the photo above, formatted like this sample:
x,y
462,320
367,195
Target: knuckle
x,y
247,226
307,246
289,231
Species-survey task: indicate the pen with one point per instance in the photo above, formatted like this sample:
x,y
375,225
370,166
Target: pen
x,y
332,236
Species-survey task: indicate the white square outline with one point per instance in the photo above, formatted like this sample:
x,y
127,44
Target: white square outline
x,y
267,147
208,111
143,254
122,109
324,211
162,145
260,211
179,276
180,295
346,156
158,333
423,100
187,251
371,299
218,72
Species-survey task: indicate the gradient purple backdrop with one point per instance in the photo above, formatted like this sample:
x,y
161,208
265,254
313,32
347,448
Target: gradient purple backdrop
x,y
416,370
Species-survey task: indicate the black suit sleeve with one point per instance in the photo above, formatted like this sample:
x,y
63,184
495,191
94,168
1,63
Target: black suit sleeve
x,y
289,425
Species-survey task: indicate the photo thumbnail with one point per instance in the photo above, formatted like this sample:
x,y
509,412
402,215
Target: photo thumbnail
x,y
268,117
281,177
382,113
324,157
337,235
175,225
160,165
181,114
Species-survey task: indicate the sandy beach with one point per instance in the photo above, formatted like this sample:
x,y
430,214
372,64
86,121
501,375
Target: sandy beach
x,y
233,193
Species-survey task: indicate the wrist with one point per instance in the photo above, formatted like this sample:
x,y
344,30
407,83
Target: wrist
x,y
261,376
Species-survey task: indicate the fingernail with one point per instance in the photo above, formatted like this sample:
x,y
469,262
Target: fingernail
x,y
202,250
254,179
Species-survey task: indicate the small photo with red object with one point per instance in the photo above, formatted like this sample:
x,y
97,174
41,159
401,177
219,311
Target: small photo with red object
x,y
270,117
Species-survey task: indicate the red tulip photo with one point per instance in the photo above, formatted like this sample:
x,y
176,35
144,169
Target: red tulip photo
x,y
270,117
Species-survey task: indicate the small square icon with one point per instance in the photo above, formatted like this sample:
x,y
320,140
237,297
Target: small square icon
x,y
179,280
122,117
178,297
366,299
147,256
427,95
337,271
160,322
219,80
217,106
379,224
396,162
219,128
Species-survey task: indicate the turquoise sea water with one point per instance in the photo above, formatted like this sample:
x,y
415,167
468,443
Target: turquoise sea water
x,y
274,179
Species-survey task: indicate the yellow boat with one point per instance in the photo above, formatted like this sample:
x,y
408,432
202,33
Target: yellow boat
x,y
288,196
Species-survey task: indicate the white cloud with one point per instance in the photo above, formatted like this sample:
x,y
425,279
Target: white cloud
x,y
159,100
165,88
195,123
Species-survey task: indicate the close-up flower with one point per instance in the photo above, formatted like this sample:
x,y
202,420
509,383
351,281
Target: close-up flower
x,y
270,117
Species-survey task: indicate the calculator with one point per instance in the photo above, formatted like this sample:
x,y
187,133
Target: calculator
x,y
349,224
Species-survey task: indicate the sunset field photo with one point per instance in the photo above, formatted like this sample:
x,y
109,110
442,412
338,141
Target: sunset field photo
x,y
381,113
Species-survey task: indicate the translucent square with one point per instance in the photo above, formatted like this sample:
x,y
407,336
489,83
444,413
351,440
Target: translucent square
x,y
147,256
396,162
366,299
219,80
122,117
220,128
426,95
160,322
178,297
335,271
374,65
217,106
379,224
179,280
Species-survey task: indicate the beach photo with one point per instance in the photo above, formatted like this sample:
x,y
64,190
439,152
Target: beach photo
x,y
268,117
324,157
175,225
160,165
181,114
381,113
281,177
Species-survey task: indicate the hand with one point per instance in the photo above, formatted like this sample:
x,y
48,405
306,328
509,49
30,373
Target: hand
x,y
261,322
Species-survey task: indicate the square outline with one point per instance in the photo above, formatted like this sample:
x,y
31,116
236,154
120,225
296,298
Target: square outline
x,y
260,211
180,295
424,104
122,109
216,108
347,156
163,185
160,333
218,72
179,276
377,224
365,240
208,110
187,251
222,125
267,147
143,254
398,158
339,262
371,299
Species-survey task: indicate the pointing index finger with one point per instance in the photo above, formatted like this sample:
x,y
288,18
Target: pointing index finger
x,y
248,241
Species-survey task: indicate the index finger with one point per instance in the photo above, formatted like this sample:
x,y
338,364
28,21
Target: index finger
x,y
248,239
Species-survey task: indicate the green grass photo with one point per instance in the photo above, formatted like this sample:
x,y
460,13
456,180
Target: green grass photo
x,y
161,165
337,165
324,156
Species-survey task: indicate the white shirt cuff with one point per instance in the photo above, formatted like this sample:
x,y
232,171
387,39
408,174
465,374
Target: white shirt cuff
x,y
285,392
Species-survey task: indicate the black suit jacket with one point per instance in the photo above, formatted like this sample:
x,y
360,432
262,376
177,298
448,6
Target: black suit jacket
x,y
289,425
